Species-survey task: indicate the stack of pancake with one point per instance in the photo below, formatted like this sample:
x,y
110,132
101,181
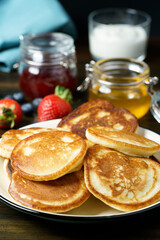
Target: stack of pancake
x,y
94,150
118,169
47,171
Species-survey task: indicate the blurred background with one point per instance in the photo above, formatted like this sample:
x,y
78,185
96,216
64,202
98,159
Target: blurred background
x,y
79,11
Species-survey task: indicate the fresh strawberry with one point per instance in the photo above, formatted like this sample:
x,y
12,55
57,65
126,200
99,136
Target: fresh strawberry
x,y
10,113
55,105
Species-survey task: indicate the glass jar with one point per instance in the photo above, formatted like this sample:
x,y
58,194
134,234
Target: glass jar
x,y
118,32
46,60
125,82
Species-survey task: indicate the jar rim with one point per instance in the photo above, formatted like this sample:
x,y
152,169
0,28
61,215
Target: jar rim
x,y
142,76
47,42
121,12
46,48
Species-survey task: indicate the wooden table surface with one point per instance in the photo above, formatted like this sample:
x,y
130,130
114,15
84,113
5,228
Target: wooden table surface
x,y
18,225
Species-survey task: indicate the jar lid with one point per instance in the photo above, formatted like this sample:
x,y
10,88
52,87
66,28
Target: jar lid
x,y
46,47
155,106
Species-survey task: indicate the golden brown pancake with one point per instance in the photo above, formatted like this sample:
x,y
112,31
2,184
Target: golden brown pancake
x,y
123,141
12,137
122,182
59,195
102,114
48,155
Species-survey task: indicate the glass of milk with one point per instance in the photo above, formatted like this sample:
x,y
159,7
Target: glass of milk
x,y
116,32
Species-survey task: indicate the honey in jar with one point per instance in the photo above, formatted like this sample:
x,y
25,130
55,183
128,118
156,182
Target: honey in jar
x,y
122,81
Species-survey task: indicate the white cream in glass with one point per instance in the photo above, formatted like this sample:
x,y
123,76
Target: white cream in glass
x,y
118,33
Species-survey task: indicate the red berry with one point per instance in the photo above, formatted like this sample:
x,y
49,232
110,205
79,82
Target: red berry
x,y
10,113
53,107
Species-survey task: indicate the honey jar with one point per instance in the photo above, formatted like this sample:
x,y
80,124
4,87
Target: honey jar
x,y
125,82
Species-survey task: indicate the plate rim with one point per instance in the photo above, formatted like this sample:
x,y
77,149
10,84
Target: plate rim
x,y
74,218
63,217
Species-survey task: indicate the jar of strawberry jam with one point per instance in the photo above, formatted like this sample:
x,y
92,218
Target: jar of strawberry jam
x,y
46,60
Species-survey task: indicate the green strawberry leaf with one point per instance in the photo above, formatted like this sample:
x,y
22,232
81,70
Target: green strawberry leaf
x,y
63,93
8,116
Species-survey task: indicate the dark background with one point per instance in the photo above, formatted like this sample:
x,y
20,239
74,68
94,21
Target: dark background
x,y
80,9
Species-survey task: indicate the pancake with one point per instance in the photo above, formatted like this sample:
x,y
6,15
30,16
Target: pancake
x,y
123,182
59,195
11,137
123,141
48,155
102,114
76,115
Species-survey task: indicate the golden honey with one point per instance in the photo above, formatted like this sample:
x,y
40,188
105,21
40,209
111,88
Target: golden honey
x,y
124,82
137,103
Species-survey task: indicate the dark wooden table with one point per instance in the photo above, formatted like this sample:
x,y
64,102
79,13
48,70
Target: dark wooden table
x,y
16,225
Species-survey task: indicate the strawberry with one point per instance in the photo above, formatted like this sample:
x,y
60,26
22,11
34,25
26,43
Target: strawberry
x,y
55,105
10,113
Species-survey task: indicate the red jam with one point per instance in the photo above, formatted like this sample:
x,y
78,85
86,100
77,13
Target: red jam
x,y
38,82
